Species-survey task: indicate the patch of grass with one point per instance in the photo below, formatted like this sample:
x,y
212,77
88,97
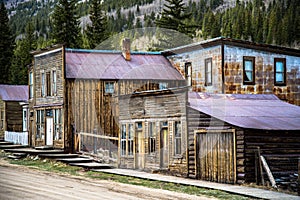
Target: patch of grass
x,y
58,167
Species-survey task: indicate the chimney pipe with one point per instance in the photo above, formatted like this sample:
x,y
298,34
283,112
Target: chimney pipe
x,y
126,48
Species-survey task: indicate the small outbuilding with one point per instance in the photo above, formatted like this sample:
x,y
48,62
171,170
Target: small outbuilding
x,y
11,112
226,130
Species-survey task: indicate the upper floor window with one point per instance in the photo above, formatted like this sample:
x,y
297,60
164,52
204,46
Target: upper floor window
x,y
188,73
249,70
30,85
163,86
208,71
54,83
109,87
48,84
43,85
279,71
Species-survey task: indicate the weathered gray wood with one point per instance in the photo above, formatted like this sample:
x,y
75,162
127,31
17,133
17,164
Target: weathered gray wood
x,y
268,171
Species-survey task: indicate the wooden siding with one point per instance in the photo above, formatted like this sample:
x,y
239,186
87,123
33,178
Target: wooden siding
x,y
13,117
156,108
2,109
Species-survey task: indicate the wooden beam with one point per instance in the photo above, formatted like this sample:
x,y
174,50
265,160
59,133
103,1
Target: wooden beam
x,y
269,173
99,136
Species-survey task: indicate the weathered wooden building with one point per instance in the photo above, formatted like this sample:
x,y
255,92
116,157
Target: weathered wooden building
x,y
74,95
11,112
225,130
153,131
230,66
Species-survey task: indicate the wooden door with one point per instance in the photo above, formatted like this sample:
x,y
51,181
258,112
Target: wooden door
x,y
49,131
139,150
216,160
164,148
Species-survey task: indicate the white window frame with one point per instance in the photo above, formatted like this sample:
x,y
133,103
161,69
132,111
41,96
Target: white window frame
x,y
30,85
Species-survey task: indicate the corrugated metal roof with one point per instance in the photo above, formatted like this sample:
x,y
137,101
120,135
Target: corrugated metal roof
x,y
95,65
14,92
248,111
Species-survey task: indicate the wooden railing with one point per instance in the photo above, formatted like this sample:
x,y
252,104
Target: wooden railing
x,y
16,137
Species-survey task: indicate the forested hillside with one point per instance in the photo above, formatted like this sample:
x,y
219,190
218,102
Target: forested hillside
x,y
35,24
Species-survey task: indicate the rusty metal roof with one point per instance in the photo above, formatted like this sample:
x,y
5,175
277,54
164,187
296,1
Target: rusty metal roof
x,y
248,111
112,65
14,92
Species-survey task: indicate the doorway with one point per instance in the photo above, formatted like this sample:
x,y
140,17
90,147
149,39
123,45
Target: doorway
x,y
164,148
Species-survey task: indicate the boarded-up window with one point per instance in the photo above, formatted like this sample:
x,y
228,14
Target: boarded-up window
x,y
249,70
57,124
280,71
177,138
40,124
30,85
48,84
208,71
152,140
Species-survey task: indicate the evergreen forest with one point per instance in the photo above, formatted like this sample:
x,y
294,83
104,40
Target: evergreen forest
x,y
31,25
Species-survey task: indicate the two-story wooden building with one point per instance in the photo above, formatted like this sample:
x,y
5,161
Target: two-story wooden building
x,y
74,96
230,66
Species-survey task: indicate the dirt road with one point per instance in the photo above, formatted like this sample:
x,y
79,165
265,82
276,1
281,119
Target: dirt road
x,y
23,183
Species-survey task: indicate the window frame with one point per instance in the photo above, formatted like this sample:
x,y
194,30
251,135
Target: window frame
x,y
163,85
283,61
207,72
30,85
177,138
123,143
152,138
57,120
109,87
252,59
130,140
48,84
43,84
54,83
2,119
188,73
40,125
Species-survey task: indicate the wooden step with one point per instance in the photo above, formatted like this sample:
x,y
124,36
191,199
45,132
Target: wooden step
x,y
75,160
58,155
92,165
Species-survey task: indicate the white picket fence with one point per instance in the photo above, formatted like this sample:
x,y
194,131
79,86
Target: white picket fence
x,y
16,137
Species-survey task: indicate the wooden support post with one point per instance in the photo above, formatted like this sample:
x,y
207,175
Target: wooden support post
x,y
269,173
260,166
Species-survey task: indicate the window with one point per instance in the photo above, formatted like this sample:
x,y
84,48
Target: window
x,y
54,84
123,140
177,138
208,71
109,87
188,73
43,86
24,119
1,119
249,70
151,142
130,139
279,71
163,86
48,84
57,124
30,85
40,124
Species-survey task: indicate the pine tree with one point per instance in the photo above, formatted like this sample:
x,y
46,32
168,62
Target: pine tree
x,y
22,57
96,32
173,16
65,24
6,45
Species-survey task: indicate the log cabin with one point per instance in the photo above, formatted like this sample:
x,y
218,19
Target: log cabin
x,y
230,66
74,95
226,130
11,112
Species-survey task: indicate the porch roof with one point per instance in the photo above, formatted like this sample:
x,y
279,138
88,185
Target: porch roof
x,y
254,111
111,65
14,92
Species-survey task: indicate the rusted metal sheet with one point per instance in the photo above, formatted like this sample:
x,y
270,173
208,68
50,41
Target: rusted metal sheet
x,y
113,66
14,92
255,111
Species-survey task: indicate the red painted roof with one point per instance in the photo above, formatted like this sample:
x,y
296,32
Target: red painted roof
x,y
248,111
14,92
109,65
